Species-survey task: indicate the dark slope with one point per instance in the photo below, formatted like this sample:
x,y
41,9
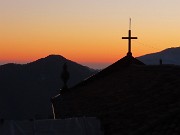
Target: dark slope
x,y
168,56
25,90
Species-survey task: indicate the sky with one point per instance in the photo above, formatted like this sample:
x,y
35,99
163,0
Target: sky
x,y
88,32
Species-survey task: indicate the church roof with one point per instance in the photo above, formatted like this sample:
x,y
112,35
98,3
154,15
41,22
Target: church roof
x,y
124,62
133,100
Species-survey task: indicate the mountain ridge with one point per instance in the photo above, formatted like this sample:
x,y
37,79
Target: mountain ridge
x,y
168,56
26,89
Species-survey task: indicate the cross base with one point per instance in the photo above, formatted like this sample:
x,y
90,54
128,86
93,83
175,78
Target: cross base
x,y
129,54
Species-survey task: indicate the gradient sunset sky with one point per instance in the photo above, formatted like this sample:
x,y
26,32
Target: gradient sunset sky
x,y
86,31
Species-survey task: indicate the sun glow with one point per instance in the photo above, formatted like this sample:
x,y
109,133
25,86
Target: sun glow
x,y
85,32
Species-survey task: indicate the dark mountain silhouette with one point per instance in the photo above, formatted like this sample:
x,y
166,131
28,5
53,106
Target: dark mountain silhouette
x,y
168,56
25,90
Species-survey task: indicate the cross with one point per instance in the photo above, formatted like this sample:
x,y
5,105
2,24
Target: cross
x,y
129,40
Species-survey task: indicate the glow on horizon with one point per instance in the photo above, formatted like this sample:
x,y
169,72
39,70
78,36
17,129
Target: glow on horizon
x,y
85,31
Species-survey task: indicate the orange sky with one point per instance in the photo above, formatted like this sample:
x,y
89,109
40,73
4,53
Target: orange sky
x,y
85,31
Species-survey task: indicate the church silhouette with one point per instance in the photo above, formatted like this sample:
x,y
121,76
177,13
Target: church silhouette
x,y
128,97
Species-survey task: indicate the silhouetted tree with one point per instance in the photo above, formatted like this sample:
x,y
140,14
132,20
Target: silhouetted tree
x,y
160,61
65,78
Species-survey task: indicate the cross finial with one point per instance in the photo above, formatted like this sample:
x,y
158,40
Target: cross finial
x,y
129,23
129,39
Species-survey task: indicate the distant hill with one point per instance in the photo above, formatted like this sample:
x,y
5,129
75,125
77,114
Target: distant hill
x,y
25,90
168,56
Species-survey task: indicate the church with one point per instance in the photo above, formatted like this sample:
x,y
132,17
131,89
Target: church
x,y
128,97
